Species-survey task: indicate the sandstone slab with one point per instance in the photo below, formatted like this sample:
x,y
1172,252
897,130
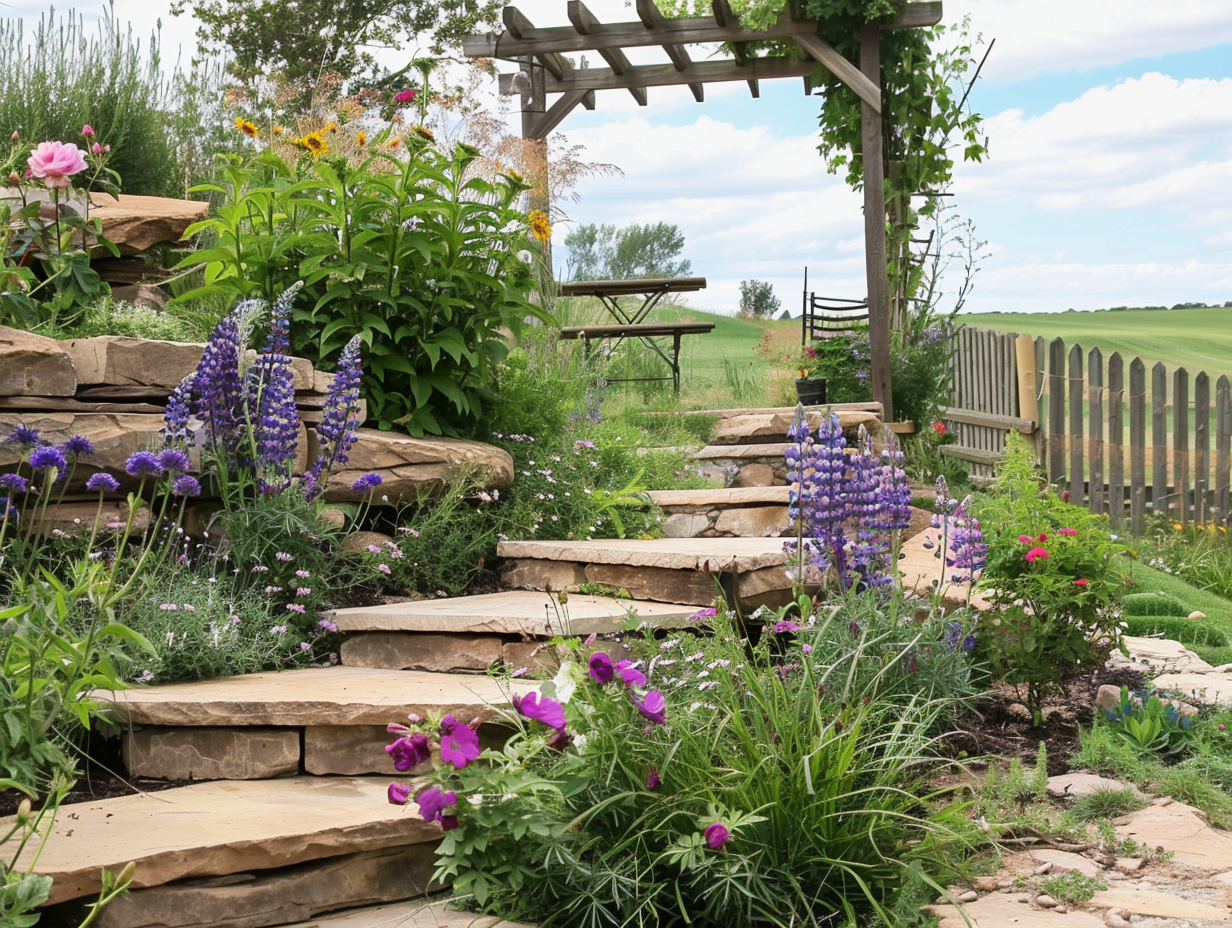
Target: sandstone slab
x,y
1208,689
359,750
542,660
71,518
65,404
761,427
255,900
1082,784
754,522
206,753
719,498
421,651
34,365
412,465
921,569
120,361
756,474
657,583
412,914
1181,829
1159,654
1066,862
685,525
512,613
135,224
708,555
1143,901
219,828
1003,910
310,696
771,450
536,574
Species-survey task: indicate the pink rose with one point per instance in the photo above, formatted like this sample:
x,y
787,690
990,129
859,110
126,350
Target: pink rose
x,y
1036,554
405,96
55,162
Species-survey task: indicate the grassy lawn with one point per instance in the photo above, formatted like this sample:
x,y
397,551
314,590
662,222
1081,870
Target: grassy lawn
x,y
1196,339
1190,632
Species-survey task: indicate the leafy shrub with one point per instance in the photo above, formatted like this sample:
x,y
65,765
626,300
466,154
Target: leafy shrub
x,y
1189,632
751,787
1051,574
417,255
1073,888
106,317
1156,603
1149,724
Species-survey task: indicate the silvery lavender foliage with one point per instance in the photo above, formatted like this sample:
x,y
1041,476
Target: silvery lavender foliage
x,y
337,430
269,387
967,551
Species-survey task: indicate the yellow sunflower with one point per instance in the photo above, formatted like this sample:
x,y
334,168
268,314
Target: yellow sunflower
x,y
540,228
248,128
361,138
315,143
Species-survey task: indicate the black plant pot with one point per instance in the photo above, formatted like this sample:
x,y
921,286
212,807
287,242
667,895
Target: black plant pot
x,y
811,392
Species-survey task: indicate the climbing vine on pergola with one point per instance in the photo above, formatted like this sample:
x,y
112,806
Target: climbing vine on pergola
x,y
546,72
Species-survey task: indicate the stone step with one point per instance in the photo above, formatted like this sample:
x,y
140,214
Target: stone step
x,y
920,566
748,512
759,426
675,570
749,466
411,914
474,633
318,720
221,829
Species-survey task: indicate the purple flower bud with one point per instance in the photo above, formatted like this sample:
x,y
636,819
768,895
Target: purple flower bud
x,y
367,482
174,461
78,445
45,457
23,435
716,836
653,781
186,485
601,670
143,464
14,482
102,483
398,794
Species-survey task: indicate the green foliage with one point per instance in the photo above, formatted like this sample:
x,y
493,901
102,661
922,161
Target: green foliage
x,y
1052,577
1149,724
66,75
418,256
816,772
107,317
1189,632
1073,888
924,461
757,299
1106,804
605,252
1153,603
1100,749
919,368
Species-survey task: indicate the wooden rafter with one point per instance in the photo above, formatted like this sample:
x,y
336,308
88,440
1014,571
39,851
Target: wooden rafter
x,y
664,75
652,19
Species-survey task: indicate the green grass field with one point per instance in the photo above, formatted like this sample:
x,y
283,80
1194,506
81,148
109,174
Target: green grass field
x,y
1196,339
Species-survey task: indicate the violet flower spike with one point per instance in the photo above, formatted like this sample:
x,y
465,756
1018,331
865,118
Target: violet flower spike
x,y
179,408
338,428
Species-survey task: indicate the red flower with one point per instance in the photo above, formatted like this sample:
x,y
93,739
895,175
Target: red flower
x,y
405,96
1043,537
939,428
1082,582
1068,531
1036,554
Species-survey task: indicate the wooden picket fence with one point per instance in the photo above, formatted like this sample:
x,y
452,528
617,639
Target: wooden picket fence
x,y
1088,418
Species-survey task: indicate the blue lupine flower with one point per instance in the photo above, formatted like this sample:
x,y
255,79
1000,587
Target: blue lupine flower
x,y
143,464
179,408
102,483
270,393
337,429
217,392
967,550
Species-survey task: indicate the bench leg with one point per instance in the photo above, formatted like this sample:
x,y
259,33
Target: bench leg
x,y
676,362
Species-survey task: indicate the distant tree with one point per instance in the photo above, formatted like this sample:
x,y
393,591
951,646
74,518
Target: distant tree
x,y
604,252
757,299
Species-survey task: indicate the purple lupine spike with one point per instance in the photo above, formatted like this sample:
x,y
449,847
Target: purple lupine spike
x,y
967,550
271,410
179,408
820,468
894,488
218,390
337,430
870,547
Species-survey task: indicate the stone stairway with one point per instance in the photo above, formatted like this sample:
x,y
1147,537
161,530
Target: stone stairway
x,y
748,512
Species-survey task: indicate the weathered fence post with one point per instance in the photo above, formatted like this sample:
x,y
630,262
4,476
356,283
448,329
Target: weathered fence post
x,y
1095,399
1056,411
1180,441
1223,444
1202,444
1159,439
1116,433
1077,470
1137,444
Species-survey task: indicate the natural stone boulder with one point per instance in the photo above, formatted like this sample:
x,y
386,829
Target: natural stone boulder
x,y
770,425
211,753
1181,829
34,365
84,518
534,574
754,475
359,541
685,525
1082,784
754,522
120,361
135,224
411,466
657,583
421,651
1159,654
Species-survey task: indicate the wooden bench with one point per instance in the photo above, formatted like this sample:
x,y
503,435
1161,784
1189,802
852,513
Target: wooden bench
x,y
647,332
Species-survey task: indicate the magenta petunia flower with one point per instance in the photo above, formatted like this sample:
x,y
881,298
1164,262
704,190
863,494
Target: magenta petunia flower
x,y
1082,582
459,744
653,706
785,626
433,803
653,780
716,836
398,794
409,751
630,674
601,670
406,96
541,709
1068,531
1036,554
55,162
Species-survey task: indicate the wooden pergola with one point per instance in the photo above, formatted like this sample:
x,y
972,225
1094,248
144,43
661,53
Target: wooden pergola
x,y
545,71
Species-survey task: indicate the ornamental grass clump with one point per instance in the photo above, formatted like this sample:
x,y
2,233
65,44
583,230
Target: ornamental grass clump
x,y
709,783
1052,575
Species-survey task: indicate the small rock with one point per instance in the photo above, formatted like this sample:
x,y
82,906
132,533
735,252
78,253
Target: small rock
x,y
1113,920
1045,901
334,518
1108,697
358,541
1129,864
969,896
1122,912
1062,908
986,884
1162,801
1197,615
1043,868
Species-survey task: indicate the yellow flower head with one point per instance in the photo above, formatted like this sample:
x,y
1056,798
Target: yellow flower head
x,y
332,127
277,130
424,134
539,226
361,138
394,143
315,143
248,128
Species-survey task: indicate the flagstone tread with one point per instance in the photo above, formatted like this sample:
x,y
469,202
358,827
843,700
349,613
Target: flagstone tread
x,y
770,410
219,828
734,452
311,696
714,554
919,568
516,612
413,913
715,498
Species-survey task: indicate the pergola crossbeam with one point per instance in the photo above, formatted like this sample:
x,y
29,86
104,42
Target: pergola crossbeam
x,y
843,69
663,75
651,18
585,22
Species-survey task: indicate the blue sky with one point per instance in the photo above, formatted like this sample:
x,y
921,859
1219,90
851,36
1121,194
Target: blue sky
x,y
1109,180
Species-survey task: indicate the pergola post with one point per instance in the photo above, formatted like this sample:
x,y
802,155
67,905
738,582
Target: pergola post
x,y
535,144
875,227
